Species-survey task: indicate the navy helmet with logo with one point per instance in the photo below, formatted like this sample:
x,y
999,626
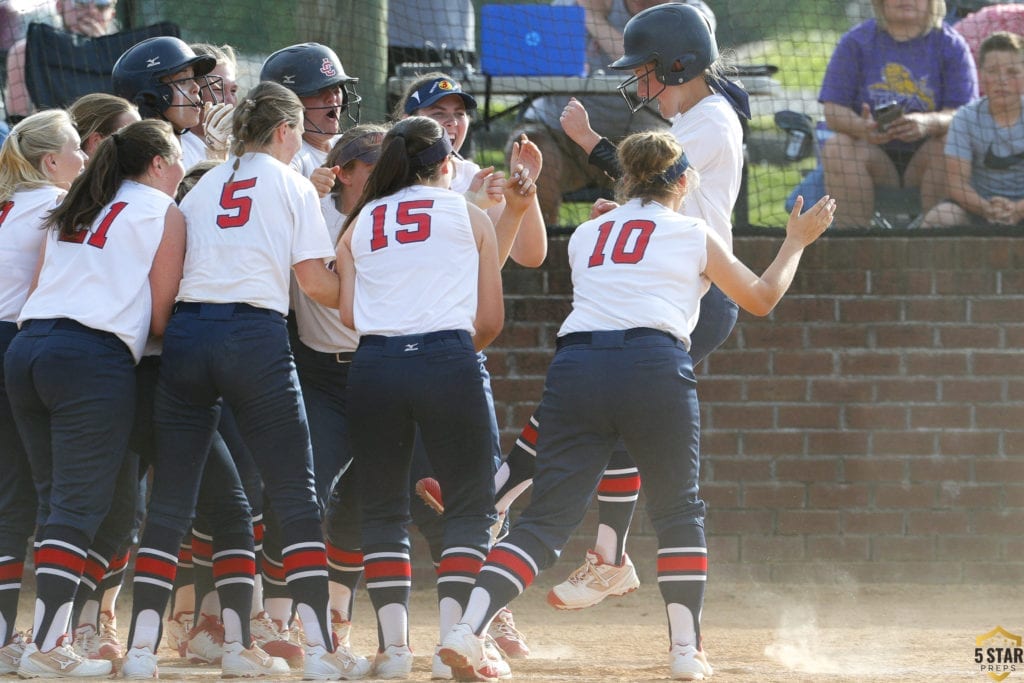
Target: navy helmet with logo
x,y
308,68
138,72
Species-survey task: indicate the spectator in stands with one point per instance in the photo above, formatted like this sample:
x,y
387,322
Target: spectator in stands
x,y
565,160
907,60
442,32
84,17
985,144
976,26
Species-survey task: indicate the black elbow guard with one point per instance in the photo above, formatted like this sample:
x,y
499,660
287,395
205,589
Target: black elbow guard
x,y
603,156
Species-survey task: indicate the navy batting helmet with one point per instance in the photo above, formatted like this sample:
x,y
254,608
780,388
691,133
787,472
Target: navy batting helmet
x,y
138,71
308,68
675,39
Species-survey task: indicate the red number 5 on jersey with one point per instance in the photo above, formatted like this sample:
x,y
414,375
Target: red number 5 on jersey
x,y
403,216
230,202
622,252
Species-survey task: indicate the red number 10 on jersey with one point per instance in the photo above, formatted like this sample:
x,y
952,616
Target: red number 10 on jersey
x,y
637,231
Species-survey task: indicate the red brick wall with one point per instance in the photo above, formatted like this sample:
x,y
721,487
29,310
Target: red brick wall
x,y
871,427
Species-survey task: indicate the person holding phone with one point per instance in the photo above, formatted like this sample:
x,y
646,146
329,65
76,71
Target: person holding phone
x,y
908,59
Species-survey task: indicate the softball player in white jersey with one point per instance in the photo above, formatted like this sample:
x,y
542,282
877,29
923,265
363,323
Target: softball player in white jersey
x,y
111,265
421,286
323,355
314,73
671,49
622,370
30,187
440,97
251,221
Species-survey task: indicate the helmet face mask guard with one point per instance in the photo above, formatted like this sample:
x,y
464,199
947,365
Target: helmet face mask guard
x,y
632,96
349,106
142,75
307,70
674,42
208,85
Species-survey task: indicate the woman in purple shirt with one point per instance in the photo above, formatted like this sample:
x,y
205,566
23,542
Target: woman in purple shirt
x,y
890,91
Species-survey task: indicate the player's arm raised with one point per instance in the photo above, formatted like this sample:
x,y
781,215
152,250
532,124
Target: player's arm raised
x,y
530,247
490,303
759,295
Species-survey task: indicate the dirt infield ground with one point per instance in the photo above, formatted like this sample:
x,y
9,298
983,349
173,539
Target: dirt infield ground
x,y
770,634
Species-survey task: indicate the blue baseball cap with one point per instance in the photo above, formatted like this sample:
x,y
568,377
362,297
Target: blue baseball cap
x,y
432,91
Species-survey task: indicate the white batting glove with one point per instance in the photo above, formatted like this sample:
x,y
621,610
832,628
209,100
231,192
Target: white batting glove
x,y
219,120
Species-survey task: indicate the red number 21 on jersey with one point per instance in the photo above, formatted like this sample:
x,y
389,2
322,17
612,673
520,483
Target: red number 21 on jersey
x,y
97,239
403,216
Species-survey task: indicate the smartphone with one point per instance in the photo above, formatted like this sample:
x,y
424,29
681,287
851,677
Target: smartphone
x,y
886,113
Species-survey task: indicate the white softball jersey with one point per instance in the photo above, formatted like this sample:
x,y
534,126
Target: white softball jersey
x,y
193,149
712,139
462,174
246,229
417,264
101,278
637,266
310,158
21,237
320,328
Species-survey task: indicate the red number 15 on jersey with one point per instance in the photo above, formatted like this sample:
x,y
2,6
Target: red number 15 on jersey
x,y
405,214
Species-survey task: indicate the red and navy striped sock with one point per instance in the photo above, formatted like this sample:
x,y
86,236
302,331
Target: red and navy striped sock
x,y
510,568
115,572
520,463
88,587
185,575
457,573
304,556
234,570
345,566
275,584
156,566
388,582
202,562
60,561
616,500
682,577
11,569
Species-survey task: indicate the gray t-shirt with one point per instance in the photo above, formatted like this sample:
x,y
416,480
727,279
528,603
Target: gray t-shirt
x,y
996,153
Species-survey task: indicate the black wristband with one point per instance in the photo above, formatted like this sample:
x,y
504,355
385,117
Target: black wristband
x,y
604,157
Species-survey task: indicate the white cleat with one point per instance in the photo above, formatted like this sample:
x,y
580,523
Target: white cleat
x,y
10,654
140,664
60,662
688,663
463,651
177,630
593,582
395,662
321,665
253,662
